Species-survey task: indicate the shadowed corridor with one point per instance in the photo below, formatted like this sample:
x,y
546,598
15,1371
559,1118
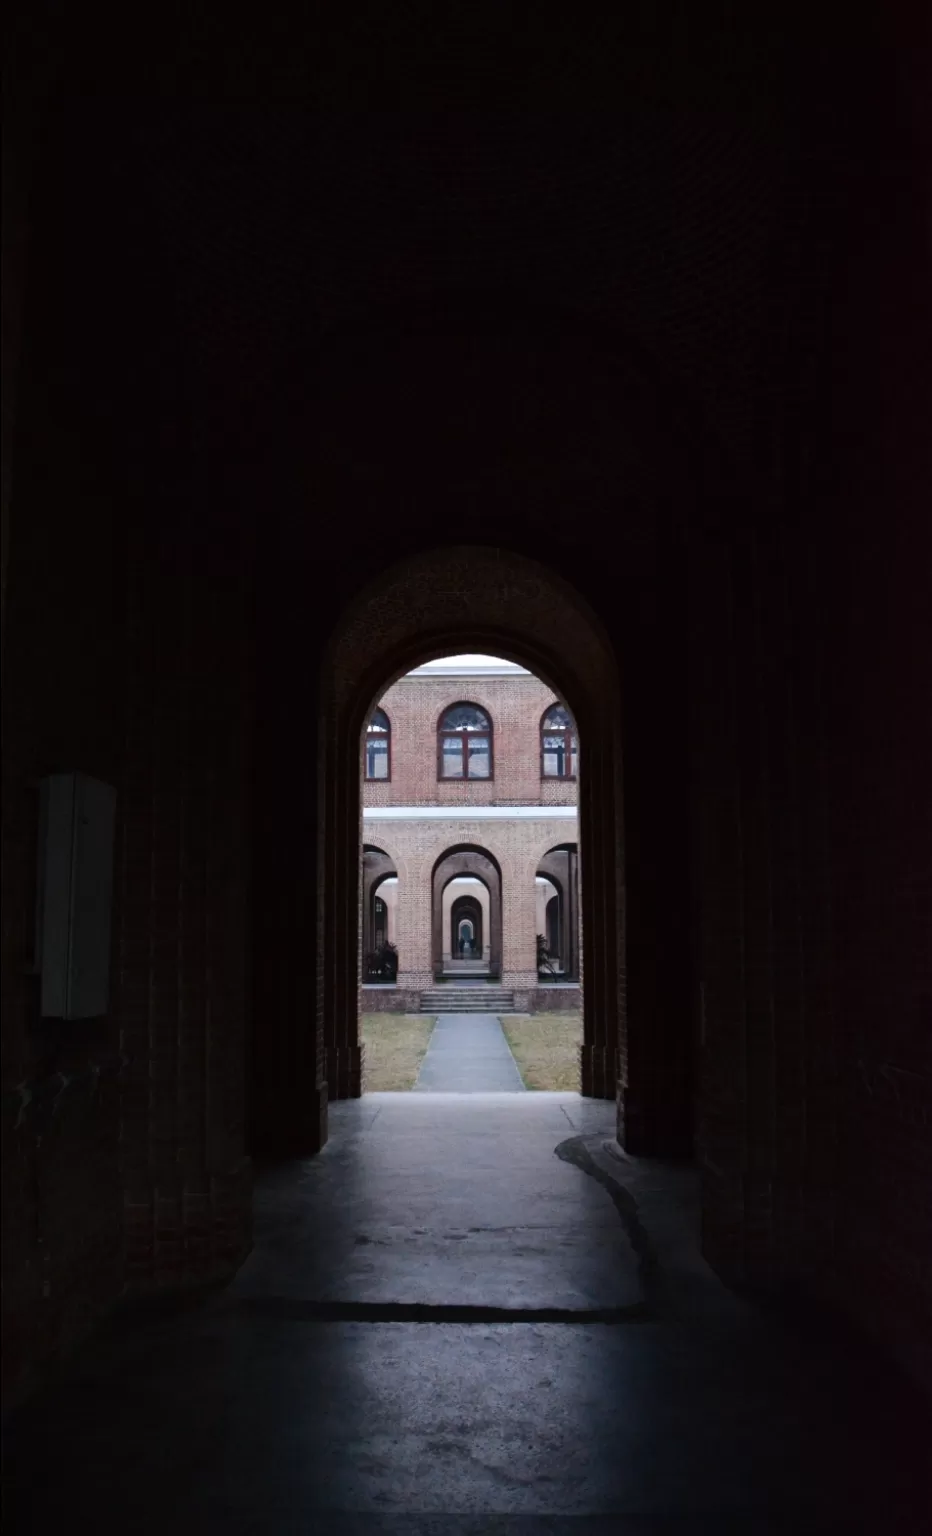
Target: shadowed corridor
x,y
340,338
510,1319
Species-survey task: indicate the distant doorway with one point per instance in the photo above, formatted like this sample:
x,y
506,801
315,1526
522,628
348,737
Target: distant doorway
x,y
467,914
466,928
558,903
447,603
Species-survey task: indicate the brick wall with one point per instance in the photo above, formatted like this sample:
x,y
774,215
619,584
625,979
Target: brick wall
x,y
517,847
64,630
876,833
181,995
515,705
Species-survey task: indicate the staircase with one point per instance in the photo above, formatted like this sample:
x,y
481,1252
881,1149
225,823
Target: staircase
x,y
470,999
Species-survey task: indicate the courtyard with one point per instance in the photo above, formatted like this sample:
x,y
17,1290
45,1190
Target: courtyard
x,y
544,1046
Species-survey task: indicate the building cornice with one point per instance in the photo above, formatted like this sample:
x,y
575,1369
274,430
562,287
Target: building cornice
x,y
469,813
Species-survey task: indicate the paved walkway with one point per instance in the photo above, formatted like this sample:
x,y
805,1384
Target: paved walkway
x,y
470,1315
468,1053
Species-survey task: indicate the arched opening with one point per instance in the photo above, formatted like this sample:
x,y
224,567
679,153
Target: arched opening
x,y
379,917
466,885
466,931
547,901
443,603
467,925
559,870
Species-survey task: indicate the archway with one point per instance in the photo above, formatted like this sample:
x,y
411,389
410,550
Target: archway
x,y
378,910
560,866
377,867
443,602
466,929
451,867
385,913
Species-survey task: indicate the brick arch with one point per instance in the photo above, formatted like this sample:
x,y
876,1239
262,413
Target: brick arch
x,y
377,865
445,600
470,908
560,864
383,847
467,861
457,699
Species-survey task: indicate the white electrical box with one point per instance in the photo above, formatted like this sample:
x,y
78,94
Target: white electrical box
x,y
74,905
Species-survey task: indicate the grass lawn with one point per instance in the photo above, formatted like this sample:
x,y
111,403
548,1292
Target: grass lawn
x,y
395,1044
546,1048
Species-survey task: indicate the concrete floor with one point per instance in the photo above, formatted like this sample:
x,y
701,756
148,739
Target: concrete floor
x,y
508,1328
468,1053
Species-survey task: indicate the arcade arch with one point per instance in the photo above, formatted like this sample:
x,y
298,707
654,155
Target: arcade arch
x,y
379,892
559,869
453,866
446,601
466,913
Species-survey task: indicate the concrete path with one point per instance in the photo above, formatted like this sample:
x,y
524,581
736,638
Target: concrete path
x,y
446,1200
468,1053
470,1314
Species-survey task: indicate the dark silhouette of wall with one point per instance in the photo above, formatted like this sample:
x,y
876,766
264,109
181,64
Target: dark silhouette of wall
x,y
654,311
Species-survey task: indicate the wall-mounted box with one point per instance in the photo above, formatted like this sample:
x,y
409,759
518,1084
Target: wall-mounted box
x,y
74,908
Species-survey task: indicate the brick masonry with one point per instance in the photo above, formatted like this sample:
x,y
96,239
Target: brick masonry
x,y
516,846
515,705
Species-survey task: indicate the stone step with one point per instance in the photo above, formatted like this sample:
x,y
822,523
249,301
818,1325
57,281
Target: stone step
x,y
468,992
499,1009
468,1000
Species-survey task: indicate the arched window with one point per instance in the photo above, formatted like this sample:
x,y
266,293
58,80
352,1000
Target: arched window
x,y
464,743
379,746
558,747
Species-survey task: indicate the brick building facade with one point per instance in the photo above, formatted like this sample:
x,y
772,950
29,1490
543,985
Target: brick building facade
x,y
517,816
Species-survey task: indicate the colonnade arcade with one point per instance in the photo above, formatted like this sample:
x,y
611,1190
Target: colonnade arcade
x,y
458,914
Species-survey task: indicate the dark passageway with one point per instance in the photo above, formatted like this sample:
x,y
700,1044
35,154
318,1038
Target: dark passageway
x,y
352,337
507,1317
